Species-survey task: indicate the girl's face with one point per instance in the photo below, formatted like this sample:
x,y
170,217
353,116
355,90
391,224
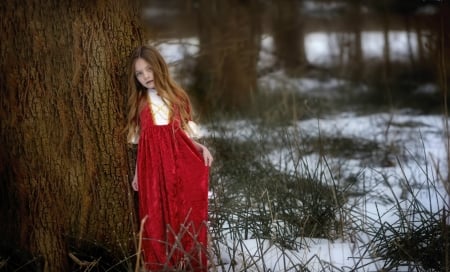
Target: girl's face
x,y
144,73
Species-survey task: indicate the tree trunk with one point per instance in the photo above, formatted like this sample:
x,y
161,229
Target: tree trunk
x,y
443,66
356,52
387,69
229,34
65,175
288,35
409,40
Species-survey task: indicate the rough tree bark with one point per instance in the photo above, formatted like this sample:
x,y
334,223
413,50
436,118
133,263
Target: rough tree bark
x,y
229,34
64,173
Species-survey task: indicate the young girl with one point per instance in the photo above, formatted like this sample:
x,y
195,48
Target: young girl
x,y
171,174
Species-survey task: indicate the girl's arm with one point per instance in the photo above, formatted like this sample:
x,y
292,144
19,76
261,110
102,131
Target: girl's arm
x,y
193,131
134,183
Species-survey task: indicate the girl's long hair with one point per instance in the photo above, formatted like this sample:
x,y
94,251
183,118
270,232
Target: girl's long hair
x,y
167,88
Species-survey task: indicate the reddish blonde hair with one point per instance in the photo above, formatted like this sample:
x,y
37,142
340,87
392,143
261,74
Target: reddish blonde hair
x,y
166,87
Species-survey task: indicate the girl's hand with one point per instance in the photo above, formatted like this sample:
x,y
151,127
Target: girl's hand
x,y
134,183
207,157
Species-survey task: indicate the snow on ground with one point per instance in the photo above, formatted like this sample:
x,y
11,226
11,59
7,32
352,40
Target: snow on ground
x,y
423,142
318,255
420,135
321,48
305,85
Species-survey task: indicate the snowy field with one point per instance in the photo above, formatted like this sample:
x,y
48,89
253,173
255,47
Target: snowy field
x,y
421,162
423,144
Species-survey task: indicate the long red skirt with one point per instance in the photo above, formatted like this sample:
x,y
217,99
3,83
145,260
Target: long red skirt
x,y
173,193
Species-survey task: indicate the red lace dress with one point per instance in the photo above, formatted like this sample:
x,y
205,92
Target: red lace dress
x,y
173,193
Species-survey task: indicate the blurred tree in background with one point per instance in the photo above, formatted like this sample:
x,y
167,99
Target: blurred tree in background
x,y
229,34
288,35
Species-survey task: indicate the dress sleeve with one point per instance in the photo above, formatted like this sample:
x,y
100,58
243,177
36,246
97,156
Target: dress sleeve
x,y
193,130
